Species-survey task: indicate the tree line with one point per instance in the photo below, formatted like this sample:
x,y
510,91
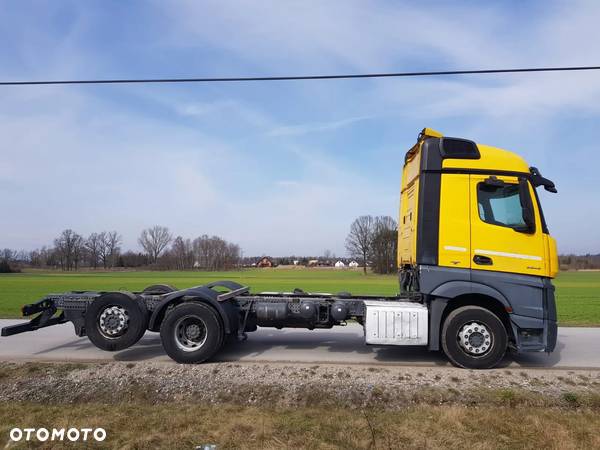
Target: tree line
x,y
579,262
72,251
372,241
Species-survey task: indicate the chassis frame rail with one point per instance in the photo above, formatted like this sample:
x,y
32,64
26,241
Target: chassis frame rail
x,y
46,311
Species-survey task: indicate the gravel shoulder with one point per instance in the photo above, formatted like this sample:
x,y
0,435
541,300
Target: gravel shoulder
x,y
288,385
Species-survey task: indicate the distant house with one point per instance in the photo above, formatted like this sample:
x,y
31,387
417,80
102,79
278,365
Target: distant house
x,y
313,263
340,265
353,264
265,261
296,261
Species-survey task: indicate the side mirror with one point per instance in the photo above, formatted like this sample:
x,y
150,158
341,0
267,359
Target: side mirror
x,y
538,180
526,208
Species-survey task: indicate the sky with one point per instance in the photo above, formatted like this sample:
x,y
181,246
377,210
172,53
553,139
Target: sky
x,y
283,167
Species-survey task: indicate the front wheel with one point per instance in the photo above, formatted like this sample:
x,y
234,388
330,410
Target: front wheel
x,y
474,338
191,333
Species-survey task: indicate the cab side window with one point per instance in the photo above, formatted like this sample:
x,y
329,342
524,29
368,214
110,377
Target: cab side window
x,y
500,205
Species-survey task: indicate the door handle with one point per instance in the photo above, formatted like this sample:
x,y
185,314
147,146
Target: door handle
x,y
483,260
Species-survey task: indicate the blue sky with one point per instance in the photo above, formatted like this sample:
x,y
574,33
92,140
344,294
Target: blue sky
x,y
280,168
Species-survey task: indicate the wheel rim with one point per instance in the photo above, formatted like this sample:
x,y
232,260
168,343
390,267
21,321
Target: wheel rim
x,y
113,321
475,339
190,333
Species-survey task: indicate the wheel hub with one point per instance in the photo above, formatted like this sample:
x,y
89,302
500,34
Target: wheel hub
x,y
190,333
475,338
113,321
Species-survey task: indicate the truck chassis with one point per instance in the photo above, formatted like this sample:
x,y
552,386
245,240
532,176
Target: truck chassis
x,y
194,323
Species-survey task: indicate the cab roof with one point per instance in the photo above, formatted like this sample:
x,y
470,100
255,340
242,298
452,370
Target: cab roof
x,y
491,158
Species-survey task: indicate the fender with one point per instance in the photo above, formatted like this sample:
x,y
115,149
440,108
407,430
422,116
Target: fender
x,y
442,295
453,289
226,310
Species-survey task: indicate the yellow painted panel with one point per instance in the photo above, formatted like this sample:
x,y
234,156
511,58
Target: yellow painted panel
x,y
431,133
407,220
407,231
455,234
553,266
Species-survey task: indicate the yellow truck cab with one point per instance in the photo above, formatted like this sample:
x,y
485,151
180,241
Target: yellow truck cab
x,y
474,245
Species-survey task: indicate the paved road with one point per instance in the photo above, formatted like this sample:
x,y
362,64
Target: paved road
x,y
577,348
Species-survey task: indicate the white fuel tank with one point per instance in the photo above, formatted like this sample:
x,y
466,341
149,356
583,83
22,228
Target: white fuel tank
x,y
395,323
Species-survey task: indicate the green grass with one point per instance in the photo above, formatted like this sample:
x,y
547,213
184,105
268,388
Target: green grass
x,y
578,298
578,293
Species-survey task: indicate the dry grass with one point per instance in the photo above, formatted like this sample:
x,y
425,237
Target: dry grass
x,y
11,371
141,426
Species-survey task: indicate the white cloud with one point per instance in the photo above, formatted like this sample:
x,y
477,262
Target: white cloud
x,y
306,128
352,34
229,109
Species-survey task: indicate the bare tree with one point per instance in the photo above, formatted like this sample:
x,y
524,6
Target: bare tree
x,y
94,244
384,245
69,249
214,253
103,249
8,255
183,253
358,241
47,257
78,251
34,258
42,257
112,240
154,240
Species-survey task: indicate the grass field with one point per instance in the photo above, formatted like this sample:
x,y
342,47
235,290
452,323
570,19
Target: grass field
x,y
578,293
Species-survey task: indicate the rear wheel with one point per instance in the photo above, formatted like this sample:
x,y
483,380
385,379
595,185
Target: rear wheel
x,y
115,322
474,338
191,333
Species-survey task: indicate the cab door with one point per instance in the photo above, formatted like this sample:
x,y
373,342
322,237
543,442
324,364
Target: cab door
x,y
506,235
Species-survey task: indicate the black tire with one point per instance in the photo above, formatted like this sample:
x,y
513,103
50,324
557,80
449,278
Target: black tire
x,y
203,341
159,289
458,326
99,331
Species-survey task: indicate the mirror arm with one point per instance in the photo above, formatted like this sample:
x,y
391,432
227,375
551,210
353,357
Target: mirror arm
x,y
538,180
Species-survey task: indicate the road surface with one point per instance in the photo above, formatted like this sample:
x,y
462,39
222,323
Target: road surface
x,y
576,348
